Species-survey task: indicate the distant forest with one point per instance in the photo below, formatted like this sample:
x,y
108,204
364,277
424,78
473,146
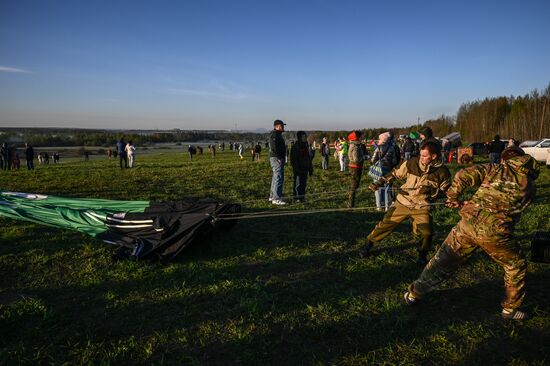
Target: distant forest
x,y
523,118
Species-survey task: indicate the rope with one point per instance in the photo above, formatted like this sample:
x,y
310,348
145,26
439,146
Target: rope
x,y
264,214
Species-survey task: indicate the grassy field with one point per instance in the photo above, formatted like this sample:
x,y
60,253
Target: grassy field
x,y
284,290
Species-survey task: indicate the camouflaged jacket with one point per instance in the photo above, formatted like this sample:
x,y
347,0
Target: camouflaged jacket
x,y
423,184
505,190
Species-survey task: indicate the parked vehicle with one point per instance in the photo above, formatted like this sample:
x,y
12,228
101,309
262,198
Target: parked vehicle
x,y
479,148
539,150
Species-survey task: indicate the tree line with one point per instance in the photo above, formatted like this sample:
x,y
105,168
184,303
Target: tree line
x,y
521,117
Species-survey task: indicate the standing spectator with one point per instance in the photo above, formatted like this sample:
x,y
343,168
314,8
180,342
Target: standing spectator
x,y
385,156
426,178
86,155
446,150
408,148
213,151
120,148
131,152
40,158
5,156
200,149
343,157
258,151
496,147
277,154
252,152
29,156
337,148
46,158
16,163
192,151
426,134
223,146
56,157
325,154
487,221
240,150
300,161
356,154
109,153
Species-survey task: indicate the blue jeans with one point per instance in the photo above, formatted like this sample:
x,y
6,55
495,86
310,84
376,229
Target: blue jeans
x,y
324,162
383,196
30,165
300,183
278,167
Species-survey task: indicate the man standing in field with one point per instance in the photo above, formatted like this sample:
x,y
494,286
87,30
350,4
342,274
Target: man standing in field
x,y
29,156
495,147
487,222
121,150
357,154
277,155
426,179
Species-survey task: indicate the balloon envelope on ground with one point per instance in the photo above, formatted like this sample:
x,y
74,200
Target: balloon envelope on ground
x,y
141,229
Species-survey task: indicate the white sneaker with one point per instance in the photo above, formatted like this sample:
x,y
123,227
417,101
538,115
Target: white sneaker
x,y
270,199
278,202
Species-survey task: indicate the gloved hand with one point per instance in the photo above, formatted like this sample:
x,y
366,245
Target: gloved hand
x,y
453,203
425,190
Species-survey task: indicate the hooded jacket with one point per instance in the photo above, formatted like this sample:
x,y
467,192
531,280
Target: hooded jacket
x,y
505,190
423,183
300,158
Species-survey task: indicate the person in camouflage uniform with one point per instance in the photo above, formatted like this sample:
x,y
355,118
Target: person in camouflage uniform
x,y
487,222
356,155
426,179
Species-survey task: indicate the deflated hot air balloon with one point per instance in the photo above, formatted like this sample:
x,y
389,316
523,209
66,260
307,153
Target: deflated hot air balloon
x,y
140,229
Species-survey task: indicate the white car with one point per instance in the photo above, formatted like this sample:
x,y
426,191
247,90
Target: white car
x,y
539,150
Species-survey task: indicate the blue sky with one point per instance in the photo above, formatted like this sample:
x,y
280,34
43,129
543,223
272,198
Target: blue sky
x,y
220,64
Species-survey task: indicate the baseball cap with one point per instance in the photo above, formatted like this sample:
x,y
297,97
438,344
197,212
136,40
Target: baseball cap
x,y
278,122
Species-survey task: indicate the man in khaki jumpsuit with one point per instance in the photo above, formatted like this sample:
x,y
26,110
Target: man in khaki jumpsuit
x,y
426,179
487,222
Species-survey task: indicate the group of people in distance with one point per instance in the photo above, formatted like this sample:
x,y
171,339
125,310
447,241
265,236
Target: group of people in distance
x,y
503,189
10,160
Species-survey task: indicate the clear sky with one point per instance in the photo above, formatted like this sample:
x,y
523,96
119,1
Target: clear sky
x,y
219,64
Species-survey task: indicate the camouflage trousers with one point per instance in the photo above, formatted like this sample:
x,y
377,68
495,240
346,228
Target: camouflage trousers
x,y
461,242
421,222
355,180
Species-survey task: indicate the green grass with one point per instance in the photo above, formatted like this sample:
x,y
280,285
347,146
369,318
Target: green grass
x,y
283,290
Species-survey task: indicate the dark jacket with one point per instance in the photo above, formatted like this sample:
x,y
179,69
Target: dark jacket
x,y
300,158
408,146
496,146
277,148
325,149
29,153
387,156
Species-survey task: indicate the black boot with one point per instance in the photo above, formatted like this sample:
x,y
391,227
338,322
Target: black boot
x,y
365,252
